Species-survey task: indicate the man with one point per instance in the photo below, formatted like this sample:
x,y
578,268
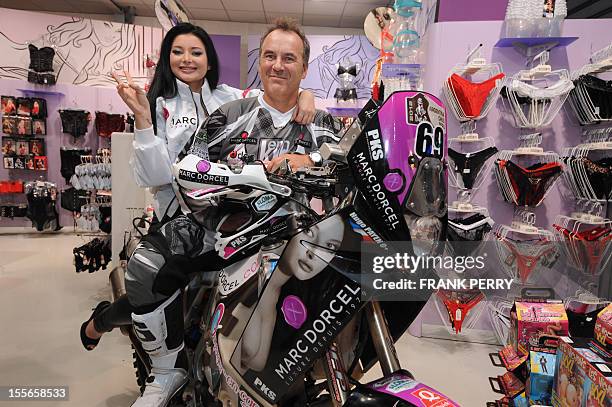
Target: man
x,y
157,271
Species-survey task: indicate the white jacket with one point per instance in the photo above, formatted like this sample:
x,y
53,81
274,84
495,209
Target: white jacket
x,y
177,119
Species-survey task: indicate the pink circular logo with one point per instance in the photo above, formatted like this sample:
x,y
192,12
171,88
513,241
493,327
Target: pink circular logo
x,y
203,166
294,311
393,182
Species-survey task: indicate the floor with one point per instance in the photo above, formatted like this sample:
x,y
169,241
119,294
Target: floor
x,y
44,301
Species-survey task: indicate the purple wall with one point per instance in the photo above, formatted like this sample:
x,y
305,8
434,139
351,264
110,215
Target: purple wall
x,y
74,97
228,50
448,45
471,10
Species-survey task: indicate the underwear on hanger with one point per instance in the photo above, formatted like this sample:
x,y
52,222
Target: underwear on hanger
x,y
468,165
588,247
72,200
41,78
599,174
465,236
526,255
346,94
458,304
105,219
74,122
13,211
530,184
582,325
70,158
524,89
600,93
472,96
351,70
108,123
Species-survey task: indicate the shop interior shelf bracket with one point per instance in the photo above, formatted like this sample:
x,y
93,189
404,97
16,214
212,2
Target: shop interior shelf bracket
x,y
530,47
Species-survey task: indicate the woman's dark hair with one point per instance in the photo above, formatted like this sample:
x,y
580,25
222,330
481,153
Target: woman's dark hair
x,y
164,81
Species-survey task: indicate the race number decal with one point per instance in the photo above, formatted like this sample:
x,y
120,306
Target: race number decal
x,y
429,141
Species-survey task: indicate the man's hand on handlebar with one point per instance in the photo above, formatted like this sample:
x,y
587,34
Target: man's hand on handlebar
x,y
295,162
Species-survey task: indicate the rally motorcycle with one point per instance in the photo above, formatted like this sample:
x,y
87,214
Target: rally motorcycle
x,y
286,321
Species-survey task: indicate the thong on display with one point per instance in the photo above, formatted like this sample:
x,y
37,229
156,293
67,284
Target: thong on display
x,y
468,166
522,258
458,305
472,96
465,236
528,186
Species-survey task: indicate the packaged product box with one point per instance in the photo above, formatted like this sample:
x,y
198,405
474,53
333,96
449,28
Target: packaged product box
x,y
542,364
603,327
508,358
531,319
583,374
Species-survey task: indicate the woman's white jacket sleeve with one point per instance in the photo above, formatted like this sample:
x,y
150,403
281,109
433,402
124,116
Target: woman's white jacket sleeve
x,y
150,162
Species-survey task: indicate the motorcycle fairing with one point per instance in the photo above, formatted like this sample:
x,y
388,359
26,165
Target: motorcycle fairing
x,y
310,298
399,389
386,157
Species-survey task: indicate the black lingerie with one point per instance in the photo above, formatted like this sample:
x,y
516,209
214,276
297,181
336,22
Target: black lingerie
x,y
70,158
346,94
74,122
468,165
582,325
599,174
92,256
41,65
13,211
42,211
351,70
108,123
600,93
72,200
465,235
530,184
105,219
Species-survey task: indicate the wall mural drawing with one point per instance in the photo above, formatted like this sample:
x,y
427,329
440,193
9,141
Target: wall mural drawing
x,y
85,50
325,52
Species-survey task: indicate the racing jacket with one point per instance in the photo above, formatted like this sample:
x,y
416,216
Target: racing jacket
x,y
252,127
177,119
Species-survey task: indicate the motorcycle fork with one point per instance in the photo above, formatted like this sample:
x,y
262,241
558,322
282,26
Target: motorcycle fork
x,y
335,373
381,338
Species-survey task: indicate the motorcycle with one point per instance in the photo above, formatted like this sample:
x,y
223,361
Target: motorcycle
x,y
286,322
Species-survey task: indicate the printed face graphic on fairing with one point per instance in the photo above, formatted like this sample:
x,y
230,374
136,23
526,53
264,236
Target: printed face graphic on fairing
x,y
309,252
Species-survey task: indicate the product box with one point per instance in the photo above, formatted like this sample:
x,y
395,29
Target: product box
x,y
583,374
531,319
508,358
542,364
603,327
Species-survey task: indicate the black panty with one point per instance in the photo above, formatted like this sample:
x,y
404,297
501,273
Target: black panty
x,y
468,165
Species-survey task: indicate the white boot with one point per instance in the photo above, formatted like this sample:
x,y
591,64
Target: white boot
x,y
163,347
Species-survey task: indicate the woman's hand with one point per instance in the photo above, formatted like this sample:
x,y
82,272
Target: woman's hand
x,y
136,99
305,111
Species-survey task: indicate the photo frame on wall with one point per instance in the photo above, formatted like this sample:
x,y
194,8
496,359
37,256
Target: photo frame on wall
x,y
24,126
23,147
9,125
8,146
39,127
8,163
40,163
24,106
37,146
9,105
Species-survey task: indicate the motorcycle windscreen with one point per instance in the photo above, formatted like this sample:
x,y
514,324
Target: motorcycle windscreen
x,y
310,296
397,161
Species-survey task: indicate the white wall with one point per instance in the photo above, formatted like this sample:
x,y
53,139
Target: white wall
x,y
225,28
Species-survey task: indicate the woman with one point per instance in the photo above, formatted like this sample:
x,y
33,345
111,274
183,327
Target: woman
x,y
183,92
